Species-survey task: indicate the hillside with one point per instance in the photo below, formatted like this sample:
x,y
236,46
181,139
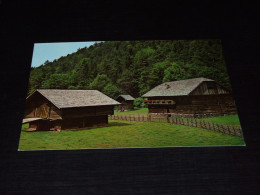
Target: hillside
x,y
132,67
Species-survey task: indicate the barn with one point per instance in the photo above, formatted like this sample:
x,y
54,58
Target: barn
x,y
197,97
127,102
60,109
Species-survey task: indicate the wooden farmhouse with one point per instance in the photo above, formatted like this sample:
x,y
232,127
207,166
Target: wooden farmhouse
x,y
198,97
127,102
57,109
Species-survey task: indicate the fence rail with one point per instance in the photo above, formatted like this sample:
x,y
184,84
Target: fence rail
x,y
225,129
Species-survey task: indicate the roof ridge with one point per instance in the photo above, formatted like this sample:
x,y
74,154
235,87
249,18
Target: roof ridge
x,y
63,98
176,88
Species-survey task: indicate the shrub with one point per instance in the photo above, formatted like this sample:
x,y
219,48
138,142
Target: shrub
x,y
139,103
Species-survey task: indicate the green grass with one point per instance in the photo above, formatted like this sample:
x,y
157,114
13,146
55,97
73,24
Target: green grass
x,y
141,111
226,120
124,134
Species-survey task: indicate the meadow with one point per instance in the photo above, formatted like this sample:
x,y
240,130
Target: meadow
x,y
125,134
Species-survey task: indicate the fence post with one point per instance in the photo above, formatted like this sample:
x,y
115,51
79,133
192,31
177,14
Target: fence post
x,y
207,125
220,130
217,128
213,126
234,130
241,133
228,129
223,128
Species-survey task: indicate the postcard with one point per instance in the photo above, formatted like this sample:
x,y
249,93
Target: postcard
x,y
129,94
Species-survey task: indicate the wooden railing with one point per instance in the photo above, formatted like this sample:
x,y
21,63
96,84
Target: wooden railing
x,y
221,128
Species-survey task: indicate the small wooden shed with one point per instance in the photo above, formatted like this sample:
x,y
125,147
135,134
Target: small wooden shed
x,y
61,109
200,97
127,102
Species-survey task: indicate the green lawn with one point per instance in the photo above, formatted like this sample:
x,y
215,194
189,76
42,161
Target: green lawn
x,y
141,111
123,134
226,120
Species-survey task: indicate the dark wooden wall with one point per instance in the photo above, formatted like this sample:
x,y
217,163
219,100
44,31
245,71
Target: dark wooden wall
x,y
87,111
89,121
126,105
197,104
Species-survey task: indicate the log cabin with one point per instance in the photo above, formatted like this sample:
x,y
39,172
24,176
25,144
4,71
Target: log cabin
x,y
60,109
197,97
127,103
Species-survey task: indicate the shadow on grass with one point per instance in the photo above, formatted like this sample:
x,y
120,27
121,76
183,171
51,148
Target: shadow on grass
x,y
111,124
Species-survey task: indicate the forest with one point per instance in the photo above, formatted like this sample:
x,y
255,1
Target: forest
x,y
132,67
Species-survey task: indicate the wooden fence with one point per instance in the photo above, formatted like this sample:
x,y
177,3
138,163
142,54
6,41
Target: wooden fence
x,y
226,129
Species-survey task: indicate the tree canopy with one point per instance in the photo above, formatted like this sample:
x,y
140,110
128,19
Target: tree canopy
x,y
132,67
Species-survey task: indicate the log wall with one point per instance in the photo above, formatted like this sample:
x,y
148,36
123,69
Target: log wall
x,y
87,111
90,121
125,105
197,104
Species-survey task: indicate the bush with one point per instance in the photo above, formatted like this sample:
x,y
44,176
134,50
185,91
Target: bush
x,y
139,103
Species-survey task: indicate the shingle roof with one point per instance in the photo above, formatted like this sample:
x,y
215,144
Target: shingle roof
x,y
126,97
63,98
176,88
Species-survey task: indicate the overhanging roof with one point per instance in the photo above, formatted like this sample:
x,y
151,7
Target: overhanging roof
x,y
63,98
176,88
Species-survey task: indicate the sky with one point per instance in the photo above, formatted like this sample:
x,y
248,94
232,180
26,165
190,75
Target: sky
x,y
52,51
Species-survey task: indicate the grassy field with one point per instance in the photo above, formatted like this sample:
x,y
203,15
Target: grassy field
x,y
226,120
124,134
